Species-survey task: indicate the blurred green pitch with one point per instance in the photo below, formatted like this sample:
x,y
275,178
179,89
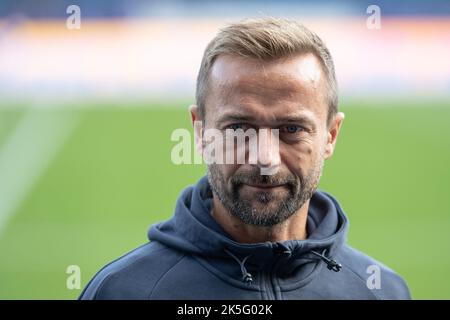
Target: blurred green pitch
x,y
113,177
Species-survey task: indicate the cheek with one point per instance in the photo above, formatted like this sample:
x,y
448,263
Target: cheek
x,y
300,158
227,170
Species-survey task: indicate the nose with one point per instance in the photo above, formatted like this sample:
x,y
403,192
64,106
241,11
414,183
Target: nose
x,y
268,150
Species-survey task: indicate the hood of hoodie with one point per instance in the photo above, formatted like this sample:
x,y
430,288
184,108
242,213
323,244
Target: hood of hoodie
x,y
193,230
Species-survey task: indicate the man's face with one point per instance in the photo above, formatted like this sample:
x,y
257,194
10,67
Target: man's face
x,y
288,95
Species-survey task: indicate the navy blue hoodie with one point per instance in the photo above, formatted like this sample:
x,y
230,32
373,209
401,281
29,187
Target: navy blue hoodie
x,y
191,257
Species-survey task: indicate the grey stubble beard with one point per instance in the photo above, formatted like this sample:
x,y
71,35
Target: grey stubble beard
x,y
269,210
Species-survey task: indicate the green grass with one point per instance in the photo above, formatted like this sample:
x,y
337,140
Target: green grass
x,y
113,178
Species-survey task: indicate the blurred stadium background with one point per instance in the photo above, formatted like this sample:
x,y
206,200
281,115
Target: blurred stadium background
x,y
86,117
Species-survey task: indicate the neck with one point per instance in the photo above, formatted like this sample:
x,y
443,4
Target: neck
x,y
294,228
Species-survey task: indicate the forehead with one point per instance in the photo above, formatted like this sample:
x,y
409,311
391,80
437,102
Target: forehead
x,y
268,87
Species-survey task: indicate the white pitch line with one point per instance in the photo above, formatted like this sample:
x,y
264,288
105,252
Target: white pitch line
x,y
27,153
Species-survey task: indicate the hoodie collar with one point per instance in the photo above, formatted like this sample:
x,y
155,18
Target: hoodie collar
x,y
192,229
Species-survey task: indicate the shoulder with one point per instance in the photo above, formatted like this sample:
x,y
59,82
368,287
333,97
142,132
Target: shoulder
x,y
381,280
133,275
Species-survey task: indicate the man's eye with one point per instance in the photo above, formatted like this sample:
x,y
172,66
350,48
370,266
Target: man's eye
x,y
236,126
291,129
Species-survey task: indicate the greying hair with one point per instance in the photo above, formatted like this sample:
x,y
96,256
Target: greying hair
x,y
267,39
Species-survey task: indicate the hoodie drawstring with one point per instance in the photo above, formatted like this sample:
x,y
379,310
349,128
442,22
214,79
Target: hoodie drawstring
x,y
331,264
246,276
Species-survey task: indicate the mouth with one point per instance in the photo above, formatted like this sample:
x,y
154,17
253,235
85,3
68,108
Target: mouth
x,y
263,187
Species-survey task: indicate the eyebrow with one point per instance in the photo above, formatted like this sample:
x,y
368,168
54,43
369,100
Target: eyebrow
x,y
243,117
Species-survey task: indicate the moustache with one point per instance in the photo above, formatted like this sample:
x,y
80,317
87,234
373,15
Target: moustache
x,y
254,177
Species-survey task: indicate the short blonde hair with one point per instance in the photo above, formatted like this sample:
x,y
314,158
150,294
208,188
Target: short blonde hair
x,y
267,39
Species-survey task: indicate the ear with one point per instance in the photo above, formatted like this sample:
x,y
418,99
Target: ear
x,y
198,127
333,132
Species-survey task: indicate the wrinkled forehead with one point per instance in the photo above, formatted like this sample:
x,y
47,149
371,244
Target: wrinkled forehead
x,y
294,71
280,84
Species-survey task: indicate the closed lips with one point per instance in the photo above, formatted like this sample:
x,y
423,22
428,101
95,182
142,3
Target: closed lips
x,y
264,186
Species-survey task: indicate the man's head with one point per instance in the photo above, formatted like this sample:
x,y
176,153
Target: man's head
x,y
269,74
